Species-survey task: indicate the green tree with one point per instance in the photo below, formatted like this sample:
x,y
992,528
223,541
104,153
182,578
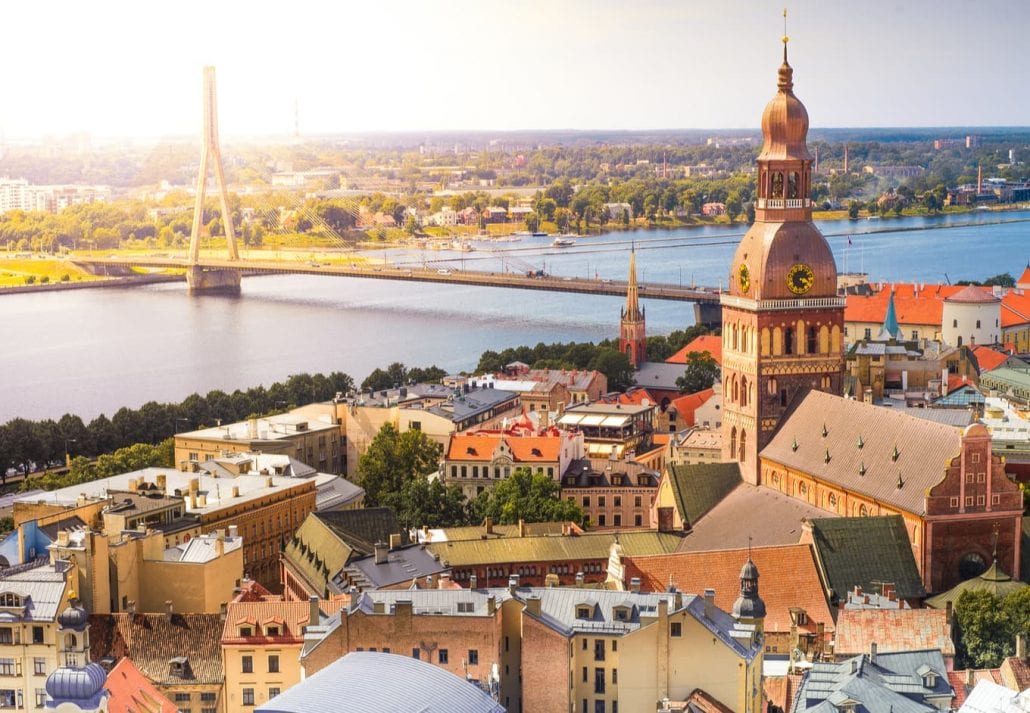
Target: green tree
x,y
734,205
853,208
1004,280
615,366
701,372
985,626
532,497
429,503
392,460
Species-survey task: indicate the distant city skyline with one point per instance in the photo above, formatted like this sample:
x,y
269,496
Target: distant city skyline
x,y
114,68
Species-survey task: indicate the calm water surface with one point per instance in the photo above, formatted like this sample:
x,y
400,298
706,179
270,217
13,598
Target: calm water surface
x,y
93,351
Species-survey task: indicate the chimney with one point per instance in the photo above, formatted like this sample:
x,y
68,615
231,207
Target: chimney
x,y
219,546
950,615
202,500
252,428
162,482
709,603
236,491
970,677
223,610
194,485
269,483
488,524
522,527
168,609
634,584
193,500
131,608
233,530
402,607
580,580
491,604
1020,646
133,486
872,652
889,592
381,551
473,582
665,519
395,540
513,584
533,605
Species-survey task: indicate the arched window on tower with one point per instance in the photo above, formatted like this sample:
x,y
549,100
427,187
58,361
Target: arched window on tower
x,y
813,341
735,337
777,185
743,445
733,441
788,340
743,391
736,390
792,184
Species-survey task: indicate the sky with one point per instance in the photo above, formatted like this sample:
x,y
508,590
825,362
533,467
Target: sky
x,y
118,68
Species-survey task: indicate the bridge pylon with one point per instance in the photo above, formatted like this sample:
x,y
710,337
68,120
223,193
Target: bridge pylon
x,y
199,278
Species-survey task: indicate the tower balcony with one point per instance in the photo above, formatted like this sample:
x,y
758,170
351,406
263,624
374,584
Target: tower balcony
x,y
783,203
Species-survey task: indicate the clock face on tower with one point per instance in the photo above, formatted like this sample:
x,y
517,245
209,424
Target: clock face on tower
x,y
744,278
800,278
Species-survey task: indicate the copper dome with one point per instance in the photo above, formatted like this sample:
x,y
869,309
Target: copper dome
x,y
771,250
785,121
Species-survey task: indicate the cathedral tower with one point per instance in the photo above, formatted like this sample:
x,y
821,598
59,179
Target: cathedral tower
x,y
782,321
632,335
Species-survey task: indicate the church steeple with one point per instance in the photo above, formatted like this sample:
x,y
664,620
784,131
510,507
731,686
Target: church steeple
x,y
632,332
749,606
890,329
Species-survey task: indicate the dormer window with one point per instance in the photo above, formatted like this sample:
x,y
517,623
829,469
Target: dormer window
x,y
7,599
584,611
272,631
246,631
621,613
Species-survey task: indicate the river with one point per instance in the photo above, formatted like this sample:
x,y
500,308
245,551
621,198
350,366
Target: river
x,y
93,351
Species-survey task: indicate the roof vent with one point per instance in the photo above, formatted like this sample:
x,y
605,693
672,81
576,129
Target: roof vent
x,y
826,458
861,468
896,454
825,432
794,445
860,442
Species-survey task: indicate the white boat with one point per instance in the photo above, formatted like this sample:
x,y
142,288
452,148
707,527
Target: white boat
x,y
563,242
461,246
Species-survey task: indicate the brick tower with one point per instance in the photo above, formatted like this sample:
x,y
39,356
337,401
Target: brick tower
x,y
782,321
632,335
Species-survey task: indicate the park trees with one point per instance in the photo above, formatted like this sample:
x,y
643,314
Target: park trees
x,y
987,626
527,496
701,372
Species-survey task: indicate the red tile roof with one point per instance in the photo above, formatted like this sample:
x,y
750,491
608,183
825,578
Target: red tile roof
x,y
705,343
290,617
988,358
958,680
780,690
924,304
132,692
792,580
686,405
634,397
893,630
524,449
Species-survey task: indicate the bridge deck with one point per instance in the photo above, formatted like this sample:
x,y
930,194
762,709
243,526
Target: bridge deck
x,y
550,283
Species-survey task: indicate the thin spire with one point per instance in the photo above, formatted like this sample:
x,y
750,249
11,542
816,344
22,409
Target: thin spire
x,y
890,329
632,293
786,39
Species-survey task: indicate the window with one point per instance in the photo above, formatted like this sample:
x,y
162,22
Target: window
x,y
414,425
40,698
586,504
585,674
600,501
598,649
37,634
954,323
273,692
585,644
599,706
39,666
272,631
599,678
473,657
208,710
273,663
969,500
5,635
443,658
676,629
6,667
182,697
248,696
915,335
617,520
248,664
615,676
638,521
868,334
246,631
601,520
416,654
618,501
636,501
208,696
978,324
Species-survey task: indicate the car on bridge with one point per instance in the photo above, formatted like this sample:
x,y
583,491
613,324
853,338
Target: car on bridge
x,y
442,271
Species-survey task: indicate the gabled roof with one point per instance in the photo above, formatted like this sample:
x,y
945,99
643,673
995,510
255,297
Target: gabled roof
x,y
153,640
700,487
710,343
132,692
858,452
363,527
686,405
958,680
524,449
988,358
290,617
866,552
791,579
549,548
387,683
893,630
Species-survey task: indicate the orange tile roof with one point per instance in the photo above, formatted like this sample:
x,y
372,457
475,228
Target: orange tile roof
x,y
957,381
686,405
988,358
132,692
791,580
1015,308
479,447
634,397
291,617
893,630
710,343
925,304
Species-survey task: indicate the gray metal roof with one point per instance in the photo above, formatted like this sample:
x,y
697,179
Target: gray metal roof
x,y
659,375
402,565
385,683
332,491
42,588
475,402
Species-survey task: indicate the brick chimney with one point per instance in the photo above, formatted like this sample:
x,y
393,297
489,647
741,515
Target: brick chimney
x,y
665,519
709,603
314,615
381,551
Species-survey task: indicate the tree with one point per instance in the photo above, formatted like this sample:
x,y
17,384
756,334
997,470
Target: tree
x,y
532,497
392,460
615,366
430,503
701,372
853,208
987,626
734,205
1004,280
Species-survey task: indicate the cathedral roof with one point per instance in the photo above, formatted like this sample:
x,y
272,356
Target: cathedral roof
x,y
771,249
785,120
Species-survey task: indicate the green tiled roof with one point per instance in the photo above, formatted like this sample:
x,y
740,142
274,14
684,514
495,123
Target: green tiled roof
x,y
867,552
700,487
994,580
552,548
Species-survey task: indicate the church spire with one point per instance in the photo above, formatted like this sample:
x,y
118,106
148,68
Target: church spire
x,y
890,329
632,334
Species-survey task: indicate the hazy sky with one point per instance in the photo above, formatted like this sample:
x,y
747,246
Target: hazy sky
x,y
134,68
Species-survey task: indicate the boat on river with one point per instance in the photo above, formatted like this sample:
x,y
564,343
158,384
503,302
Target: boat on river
x,y
563,241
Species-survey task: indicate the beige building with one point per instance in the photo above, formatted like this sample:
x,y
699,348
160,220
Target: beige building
x,y
312,435
31,599
261,647
696,445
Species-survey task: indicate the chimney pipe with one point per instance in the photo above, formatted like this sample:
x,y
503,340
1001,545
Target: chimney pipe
x,y
381,551
872,652
489,525
709,603
513,584
634,584
1021,646
395,540
580,579
473,582
314,616
168,609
